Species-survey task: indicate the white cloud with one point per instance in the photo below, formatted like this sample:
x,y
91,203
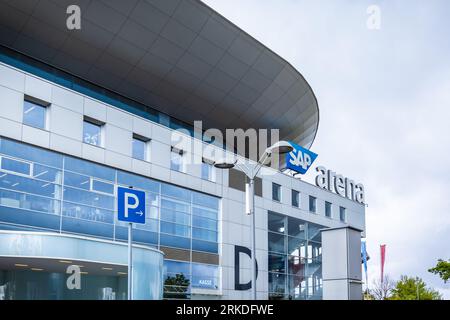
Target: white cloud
x,y
384,99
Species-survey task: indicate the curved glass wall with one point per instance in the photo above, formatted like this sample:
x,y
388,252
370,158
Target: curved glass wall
x,y
48,257
295,258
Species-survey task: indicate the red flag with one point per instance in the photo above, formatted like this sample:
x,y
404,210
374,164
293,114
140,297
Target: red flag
x,y
383,256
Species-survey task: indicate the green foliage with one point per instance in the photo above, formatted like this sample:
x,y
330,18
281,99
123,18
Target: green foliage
x,y
409,288
176,287
442,269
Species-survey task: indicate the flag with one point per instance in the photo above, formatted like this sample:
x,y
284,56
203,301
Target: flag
x,y
383,257
364,258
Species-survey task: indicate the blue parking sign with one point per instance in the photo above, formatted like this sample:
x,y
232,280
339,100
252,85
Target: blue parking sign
x,y
131,205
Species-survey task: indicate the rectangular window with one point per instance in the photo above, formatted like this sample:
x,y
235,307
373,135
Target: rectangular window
x,y
276,192
102,187
312,204
34,114
327,209
176,160
140,146
295,198
342,215
16,166
92,132
208,170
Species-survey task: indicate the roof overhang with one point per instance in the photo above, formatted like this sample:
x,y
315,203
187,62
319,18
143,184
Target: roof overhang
x,y
177,56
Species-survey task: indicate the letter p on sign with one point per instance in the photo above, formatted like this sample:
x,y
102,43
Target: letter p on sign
x,y
130,205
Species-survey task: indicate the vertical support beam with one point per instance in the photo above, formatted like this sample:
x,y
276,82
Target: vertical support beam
x,y
341,263
130,261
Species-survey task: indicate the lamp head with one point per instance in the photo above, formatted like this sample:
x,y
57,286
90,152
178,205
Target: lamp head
x,y
280,147
225,164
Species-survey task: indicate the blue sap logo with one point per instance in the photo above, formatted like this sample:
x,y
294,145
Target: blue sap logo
x,y
299,159
131,205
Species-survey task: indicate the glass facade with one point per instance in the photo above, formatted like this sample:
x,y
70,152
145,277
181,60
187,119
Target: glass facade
x,y
295,258
45,190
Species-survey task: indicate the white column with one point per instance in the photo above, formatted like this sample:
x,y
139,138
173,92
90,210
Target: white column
x,y
341,264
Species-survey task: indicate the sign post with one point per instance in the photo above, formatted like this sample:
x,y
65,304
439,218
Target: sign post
x,y
130,208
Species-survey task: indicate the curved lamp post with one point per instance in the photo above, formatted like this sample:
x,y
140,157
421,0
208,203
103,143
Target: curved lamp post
x,y
279,147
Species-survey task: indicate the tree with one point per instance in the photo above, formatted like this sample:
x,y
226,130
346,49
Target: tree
x,y
442,269
176,287
409,288
381,290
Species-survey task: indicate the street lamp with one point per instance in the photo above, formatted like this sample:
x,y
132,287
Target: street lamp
x,y
279,147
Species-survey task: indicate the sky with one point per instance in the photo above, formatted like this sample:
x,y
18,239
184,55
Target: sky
x,y
384,101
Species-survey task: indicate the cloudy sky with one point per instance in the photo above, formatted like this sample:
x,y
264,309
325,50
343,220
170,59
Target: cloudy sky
x,y
384,99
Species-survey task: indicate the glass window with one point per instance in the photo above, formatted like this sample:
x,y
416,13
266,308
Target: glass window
x,y
203,234
175,192
277,263
295,198
277,285
174,205
296,227
34,114
205,276
175,229
296,247
208,171
46,173
89,198
277,223
327,209
276,192
204,223
139,149
204,213
205,200
102,187
176,267
29,202
296,265
30,153
77,180
175,216
16,166
277,242
312,204
90,169
139,182
87,213
314,232
342,215
176,160
92,133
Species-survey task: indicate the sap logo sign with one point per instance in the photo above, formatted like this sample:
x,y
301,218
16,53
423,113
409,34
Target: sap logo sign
x,y
299,159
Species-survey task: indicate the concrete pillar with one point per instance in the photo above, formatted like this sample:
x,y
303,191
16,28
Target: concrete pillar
x,y
341,263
